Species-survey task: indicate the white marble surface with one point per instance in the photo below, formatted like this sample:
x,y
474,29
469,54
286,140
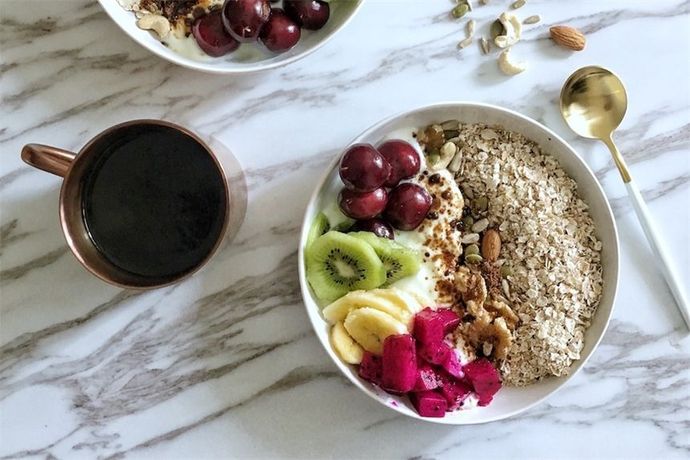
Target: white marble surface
x,y
225,364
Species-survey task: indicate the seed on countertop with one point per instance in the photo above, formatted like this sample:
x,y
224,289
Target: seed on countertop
x,y
473,258
472,249
532,19
497,29
486,47
465,43
470,27
518,4
460,10
480,225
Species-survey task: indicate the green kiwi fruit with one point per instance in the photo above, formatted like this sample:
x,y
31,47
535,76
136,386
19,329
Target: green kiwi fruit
x,y
398,260
338,263
318,228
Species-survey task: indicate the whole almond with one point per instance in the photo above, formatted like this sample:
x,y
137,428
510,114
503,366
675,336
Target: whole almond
x,y
491,245
568,37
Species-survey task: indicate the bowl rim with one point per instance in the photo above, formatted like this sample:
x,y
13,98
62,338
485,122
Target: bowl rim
x,y
304,288
177,58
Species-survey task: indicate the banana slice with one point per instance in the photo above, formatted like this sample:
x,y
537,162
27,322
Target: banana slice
x,y
338,310
346,347
370,327
401,298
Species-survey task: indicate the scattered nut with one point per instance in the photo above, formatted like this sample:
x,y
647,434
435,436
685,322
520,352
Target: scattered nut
x,y
568,37
508,66
158,24
470,27
517,4
496,29
513,30
532,19
465,43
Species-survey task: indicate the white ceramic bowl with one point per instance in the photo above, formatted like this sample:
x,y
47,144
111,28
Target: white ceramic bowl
x,y
509,401
249,57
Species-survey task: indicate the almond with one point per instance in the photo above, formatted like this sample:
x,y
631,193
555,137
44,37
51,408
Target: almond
x,y
491,245
568,37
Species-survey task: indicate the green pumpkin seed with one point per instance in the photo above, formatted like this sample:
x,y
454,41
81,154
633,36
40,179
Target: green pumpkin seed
x,y
506,270
467,222
473,258
471,249
433,158
481,203
460,10
497,29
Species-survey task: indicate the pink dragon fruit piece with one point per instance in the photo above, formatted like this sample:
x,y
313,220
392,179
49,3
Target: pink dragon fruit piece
x,y
399,364
452,365
427,378
455,392
435,353
370,368
449,318
428,327
429,404
484,378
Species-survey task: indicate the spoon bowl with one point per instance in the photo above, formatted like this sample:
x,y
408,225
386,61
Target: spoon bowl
x,y
593,102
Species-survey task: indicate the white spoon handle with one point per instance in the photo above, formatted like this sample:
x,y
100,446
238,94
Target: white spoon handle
x,y
664,261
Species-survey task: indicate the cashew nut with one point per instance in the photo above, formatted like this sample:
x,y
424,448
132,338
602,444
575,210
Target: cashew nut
x,y
509,67
154,22
513,30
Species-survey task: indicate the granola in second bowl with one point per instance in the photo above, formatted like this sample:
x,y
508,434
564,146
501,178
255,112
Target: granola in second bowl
x,y
536,300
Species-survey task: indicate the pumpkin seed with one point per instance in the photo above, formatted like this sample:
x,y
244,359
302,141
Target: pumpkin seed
x,y
450,125
468,221
486,46
433,158
451,134
465,43
497,29
471,249
460,10
473,258
471,24
481,203
506,270
518,4
532,19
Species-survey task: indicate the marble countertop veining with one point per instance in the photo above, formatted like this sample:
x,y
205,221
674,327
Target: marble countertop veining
x,y
225,364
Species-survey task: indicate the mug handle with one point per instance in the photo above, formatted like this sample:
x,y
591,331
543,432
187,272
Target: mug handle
x,y
50,159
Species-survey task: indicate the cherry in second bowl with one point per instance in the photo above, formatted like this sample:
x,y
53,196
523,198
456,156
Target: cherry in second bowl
x,y
231,36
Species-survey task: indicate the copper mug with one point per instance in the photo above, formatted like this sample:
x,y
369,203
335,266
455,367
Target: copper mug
x,y
74,168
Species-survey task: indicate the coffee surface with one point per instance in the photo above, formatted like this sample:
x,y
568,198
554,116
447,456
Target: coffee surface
x,y
154,204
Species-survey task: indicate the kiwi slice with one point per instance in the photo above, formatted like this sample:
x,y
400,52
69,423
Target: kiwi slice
x,y
337,263
318,228
398,260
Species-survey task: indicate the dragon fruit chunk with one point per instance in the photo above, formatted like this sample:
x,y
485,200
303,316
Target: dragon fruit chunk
x,y
370,368
429,404
428,327
452,365
455,392
484,378
449,318
427,378
435,353
399,363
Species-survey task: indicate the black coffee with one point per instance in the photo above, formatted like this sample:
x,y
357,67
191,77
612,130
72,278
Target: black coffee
x,y
154,204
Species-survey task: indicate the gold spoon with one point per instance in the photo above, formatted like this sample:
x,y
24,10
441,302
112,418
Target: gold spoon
x,y
593,103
